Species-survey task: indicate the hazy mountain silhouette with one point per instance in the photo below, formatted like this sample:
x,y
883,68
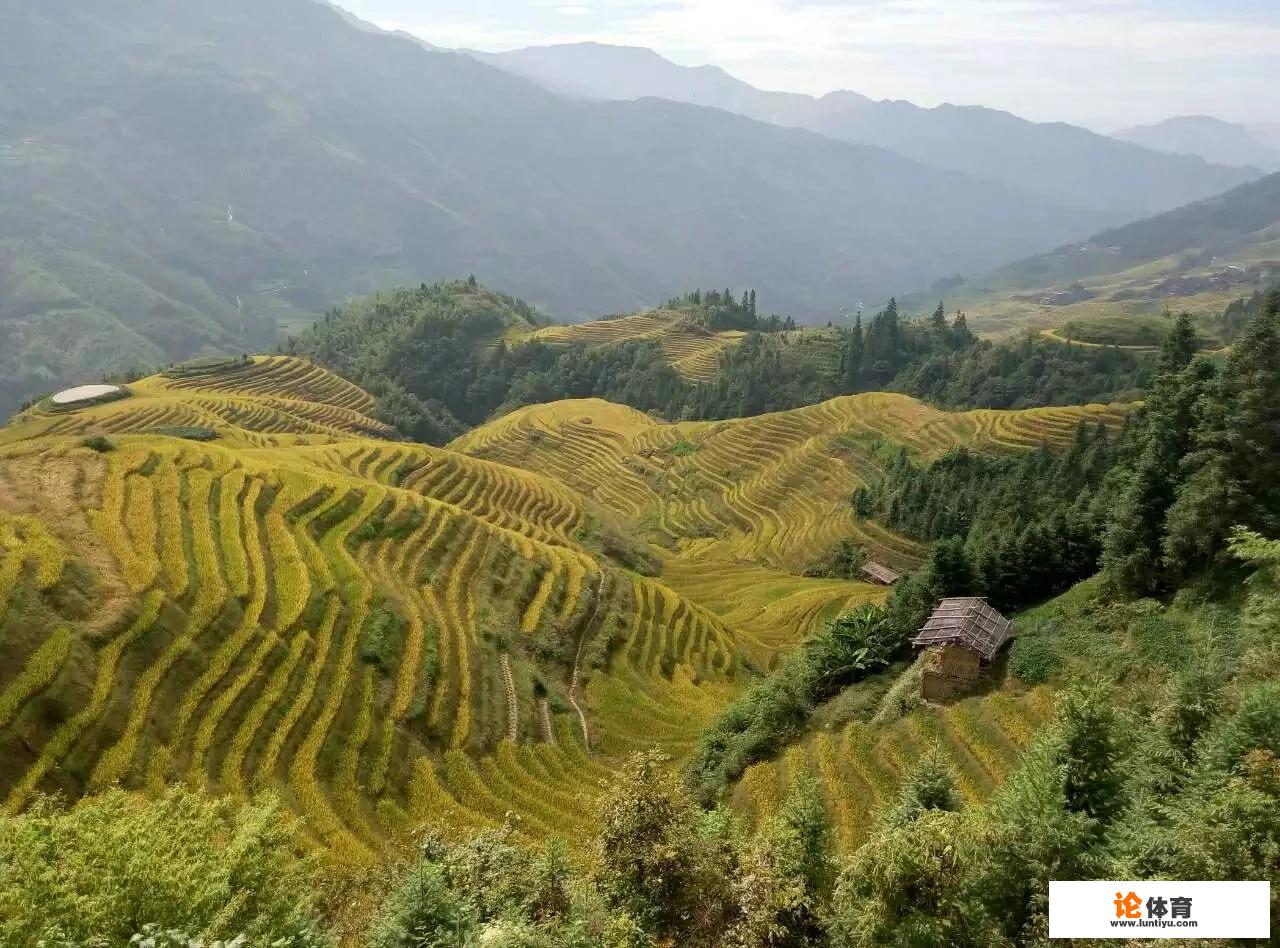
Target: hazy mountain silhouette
x,y
1118,181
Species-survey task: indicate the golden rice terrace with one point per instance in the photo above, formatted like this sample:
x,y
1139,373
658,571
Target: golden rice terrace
x,y
233,577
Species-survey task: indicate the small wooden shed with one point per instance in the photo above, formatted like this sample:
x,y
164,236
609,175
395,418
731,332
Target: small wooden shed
x,y
878,573
961,634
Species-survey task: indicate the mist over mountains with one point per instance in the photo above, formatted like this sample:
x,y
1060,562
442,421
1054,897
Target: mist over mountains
x,y
1115,181
1209,138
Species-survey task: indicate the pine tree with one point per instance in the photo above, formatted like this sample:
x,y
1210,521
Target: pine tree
x,y
853,359
938,320
1235,469
949,572
1148,487
881,346
1090,752
929,786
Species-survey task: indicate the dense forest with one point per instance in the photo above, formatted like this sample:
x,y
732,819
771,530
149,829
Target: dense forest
x,y
1153,508
440,360
1020,528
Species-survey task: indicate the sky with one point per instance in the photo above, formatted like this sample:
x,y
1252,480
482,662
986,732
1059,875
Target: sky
x,y
1107,64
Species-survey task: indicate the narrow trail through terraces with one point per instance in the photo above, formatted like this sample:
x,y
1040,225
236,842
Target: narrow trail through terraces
x,y
577,663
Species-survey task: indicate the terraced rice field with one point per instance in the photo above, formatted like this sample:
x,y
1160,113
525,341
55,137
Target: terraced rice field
x,y
692,351
390,634
267,400
771,490
383,633
861,766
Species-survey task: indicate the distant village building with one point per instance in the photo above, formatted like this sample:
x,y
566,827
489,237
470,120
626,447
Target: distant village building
x,y
961,634
879,574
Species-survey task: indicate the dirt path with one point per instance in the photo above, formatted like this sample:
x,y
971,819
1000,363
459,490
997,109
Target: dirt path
x,y
577,661
544,711
1053,334
508,685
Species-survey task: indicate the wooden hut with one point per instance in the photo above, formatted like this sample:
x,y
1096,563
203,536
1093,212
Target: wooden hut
x,y
879,574
961,634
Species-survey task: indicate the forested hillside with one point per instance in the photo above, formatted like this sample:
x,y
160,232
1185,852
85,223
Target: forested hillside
x,y
444,358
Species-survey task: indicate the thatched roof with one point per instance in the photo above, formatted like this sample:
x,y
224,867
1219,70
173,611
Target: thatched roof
x,y
968,621
880,574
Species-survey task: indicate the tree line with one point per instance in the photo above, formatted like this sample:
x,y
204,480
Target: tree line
x,y
438,363
1153,507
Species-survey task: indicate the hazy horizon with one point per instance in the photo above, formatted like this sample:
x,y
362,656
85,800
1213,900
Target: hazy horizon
x,y
1106,64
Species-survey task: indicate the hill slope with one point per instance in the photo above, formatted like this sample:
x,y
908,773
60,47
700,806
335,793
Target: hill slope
x,y
1199,258
1115,180
389,633
189,178
445,358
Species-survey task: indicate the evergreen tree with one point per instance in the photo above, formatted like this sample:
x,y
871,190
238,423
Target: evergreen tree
x,y
1235,470
1149,486
949,572
853,359
938,321
882,345
929,786
786,877
1090,751
908,887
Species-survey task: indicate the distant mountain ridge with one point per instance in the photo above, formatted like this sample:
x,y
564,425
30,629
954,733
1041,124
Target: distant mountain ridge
x,y
1117,181
603,72
1206,137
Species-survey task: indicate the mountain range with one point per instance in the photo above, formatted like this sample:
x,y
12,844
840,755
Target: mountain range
x,y
1063,163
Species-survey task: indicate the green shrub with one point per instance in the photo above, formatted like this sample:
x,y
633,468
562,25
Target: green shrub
x,y
94,873
1033,658
98,443
423,913
189,432
382,637
842,561
776,709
